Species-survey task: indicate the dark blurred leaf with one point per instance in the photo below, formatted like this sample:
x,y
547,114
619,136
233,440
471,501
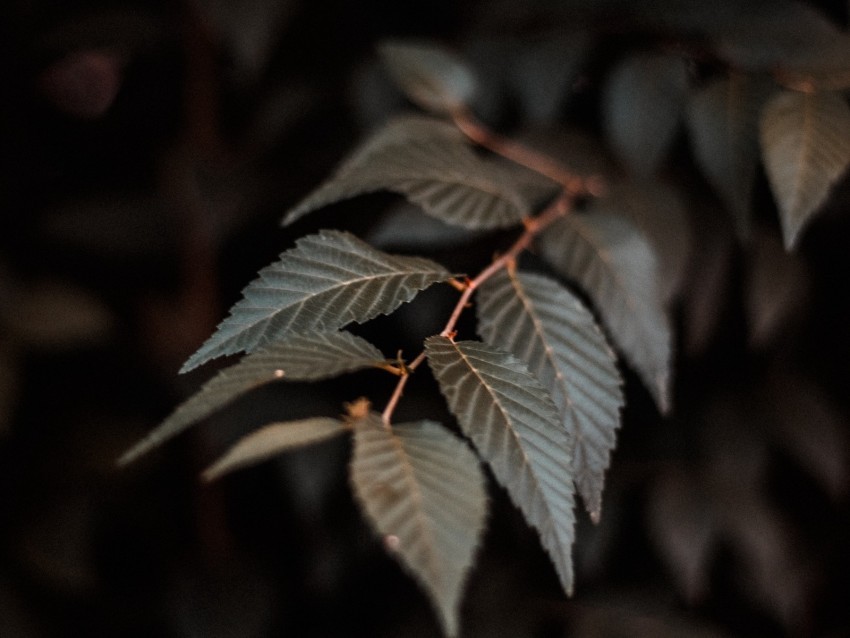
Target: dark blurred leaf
x,y
84,83
249,29
658,211
641,107
707,285
722,118
684,531
615,265
773,571
812,428
58,315
805,142
542,72
429,74
777,289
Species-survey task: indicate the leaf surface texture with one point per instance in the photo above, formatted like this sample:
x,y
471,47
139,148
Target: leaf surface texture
x,y
805,141
327,281
613,263
306,357
551,331
430,163
515,426
423,491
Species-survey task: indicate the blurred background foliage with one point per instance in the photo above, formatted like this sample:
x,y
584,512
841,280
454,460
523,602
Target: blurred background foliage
x,y
147,153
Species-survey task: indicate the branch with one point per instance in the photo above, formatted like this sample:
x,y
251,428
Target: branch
x,y
541,163
533,226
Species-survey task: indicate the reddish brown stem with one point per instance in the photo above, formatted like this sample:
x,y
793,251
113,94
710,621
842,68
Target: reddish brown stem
x,y
533,226
479,133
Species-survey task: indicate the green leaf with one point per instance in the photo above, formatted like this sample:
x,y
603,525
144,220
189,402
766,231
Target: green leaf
x,y
327,281
430,75
432,165
307,357
805,141
615,265
272,440
641,109
722,119
552,332
513,422
422,489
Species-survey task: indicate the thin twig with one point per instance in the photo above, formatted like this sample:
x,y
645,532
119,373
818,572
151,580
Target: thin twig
x,y
533,226
521,154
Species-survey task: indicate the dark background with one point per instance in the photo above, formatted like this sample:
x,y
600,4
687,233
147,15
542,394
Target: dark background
x,y
147,153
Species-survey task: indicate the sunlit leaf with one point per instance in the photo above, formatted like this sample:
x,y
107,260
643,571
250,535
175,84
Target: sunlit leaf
x,y
514,424
641,107
805,141
615,265
551,331
431,163
327,281
722,119
271,440
422,489
430,75
305,357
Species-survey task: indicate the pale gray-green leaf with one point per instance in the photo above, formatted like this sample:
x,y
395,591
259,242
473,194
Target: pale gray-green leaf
x,y
429,74
431,164
274,439
302,357
513,422
616,267
422,489
722,120
805,141
550,330
642,104
327,281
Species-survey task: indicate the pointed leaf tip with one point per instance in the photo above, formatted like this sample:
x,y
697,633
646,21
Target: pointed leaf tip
x,y
307,357
328,280
423,491
272,440
805,141
553,333
514,425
